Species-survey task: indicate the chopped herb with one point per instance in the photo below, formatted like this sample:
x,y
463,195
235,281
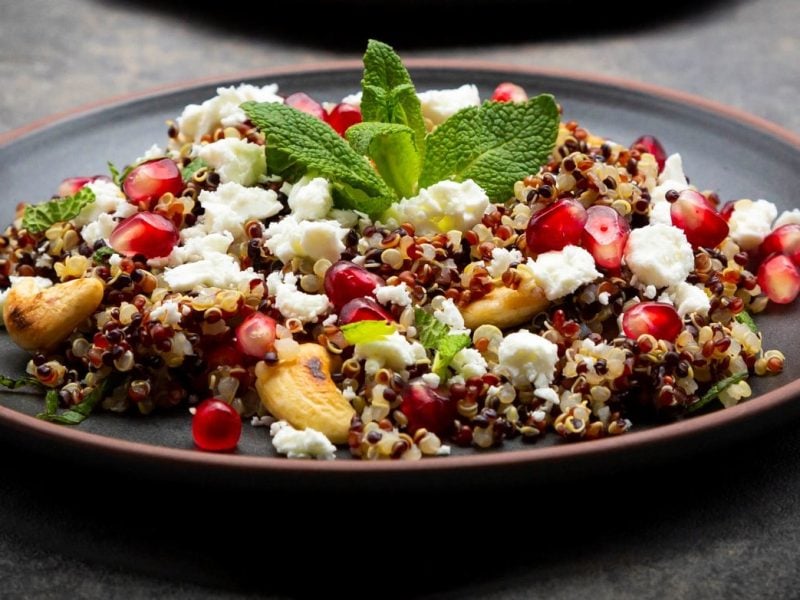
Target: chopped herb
x,y
116,176
436,336
39,217
101,255
364,332
76,414
745,318
193,167
13,384
715,390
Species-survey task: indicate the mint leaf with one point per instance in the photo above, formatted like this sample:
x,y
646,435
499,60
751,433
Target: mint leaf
x,y
115,174
747,319
193,167
448,347
715,390
364,332
76,414
393,150
495,145
298,143
13,384
388,94
39,217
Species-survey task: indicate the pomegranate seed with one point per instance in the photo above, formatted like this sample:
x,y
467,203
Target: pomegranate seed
x,y
509,92
226,354
71,185
555,226
784,240
779,279
604,236
144,233
727,210
698,218
305,103
255,336
216,426
650,144
146,183
425,407
343,116
363,309
658,319
345,281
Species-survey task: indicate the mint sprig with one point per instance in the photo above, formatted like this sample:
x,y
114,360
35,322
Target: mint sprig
x,y
39,217
394,151
495,145
435,335
298,144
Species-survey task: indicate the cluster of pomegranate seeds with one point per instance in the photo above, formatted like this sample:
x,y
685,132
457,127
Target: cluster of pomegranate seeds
x,y
650,144
145,233
340,118
255,336
784,240
426,408
779,279
71,185
698,218
216,426
658,319
604,236
150,180
555,226
509,92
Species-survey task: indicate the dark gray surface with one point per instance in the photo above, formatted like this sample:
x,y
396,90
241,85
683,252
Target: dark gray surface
x,y
724,525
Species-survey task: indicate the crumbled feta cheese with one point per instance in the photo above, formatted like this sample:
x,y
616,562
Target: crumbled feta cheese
x,y
561,272
310,199
41,283
788,217
469,363
547,394
101,229
115,260
108,198
502,260
431,380
442,207
750,222
659,255
308,443
215,270
689,298
650,292
168,313
671,178
289,238
394,294
153,152
348,218
231,206
235,160
181,345
393,351
449,314
353,100
291,302
440,105
196,245
223,109
527,358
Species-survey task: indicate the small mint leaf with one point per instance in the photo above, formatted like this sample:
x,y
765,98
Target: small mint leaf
x,y
715,390
448,347
101,255
364,332
39,217
193,167
745,318
393,150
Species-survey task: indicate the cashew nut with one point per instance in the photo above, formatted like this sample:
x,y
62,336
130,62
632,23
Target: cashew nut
x,y
504,307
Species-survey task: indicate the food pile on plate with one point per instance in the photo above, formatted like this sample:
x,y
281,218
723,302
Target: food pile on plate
x,y
394,274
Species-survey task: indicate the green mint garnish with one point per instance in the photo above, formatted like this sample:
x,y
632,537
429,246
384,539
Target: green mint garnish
x,y
39,217
115,174
715,390
495,145
13,384
393,149
299,144
193,167
101,255
388,94
745,318
76,414
435,335
364,332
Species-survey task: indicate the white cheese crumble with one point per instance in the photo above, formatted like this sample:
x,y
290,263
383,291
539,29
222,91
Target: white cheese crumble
x,y
310,199
168,313
527,358
234,160
443,207
393,351
502,260
393,294
689,298
289,238
231,206
293,303
308,443
468,362
440,105
788,217
353,99
449,314
101,229
41,283
561,272
153,152
108,198
223,109
671,178
431,380
196,245
750,222
659,255
215,270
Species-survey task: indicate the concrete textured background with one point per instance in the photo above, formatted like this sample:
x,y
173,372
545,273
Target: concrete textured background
x,y
725,526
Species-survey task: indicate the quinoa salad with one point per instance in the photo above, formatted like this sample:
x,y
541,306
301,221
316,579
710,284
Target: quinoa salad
x,y
393,274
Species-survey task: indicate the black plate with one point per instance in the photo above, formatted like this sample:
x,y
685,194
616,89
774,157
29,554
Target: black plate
x,y
737,155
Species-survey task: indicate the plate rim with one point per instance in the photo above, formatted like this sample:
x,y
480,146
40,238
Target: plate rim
x,y
673,433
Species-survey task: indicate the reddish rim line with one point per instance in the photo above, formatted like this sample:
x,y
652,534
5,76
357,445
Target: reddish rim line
x,y
674,433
